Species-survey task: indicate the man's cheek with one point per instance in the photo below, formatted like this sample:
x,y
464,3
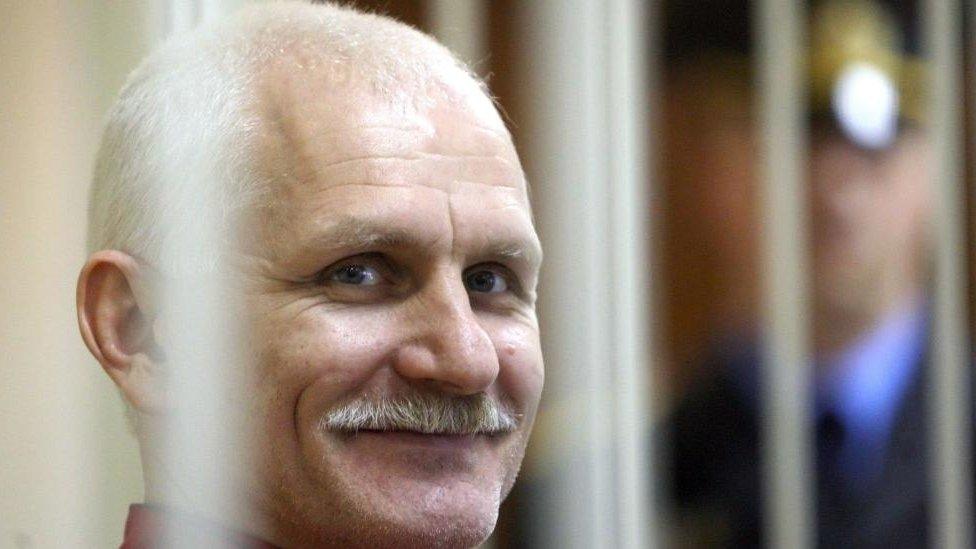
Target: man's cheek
x,y
521,371
321,338
333,356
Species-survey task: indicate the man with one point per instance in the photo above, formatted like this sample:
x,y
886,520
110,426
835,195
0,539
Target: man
x,y
870,195
372,235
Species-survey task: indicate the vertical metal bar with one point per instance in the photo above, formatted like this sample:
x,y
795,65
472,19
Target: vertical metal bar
x,y
585,157
462,26
969,45
202,450
566,155
181,15
631,341
211,10
950,430
786,451
590,159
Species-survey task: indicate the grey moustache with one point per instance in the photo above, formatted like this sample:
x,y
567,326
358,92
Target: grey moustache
x,y
434,413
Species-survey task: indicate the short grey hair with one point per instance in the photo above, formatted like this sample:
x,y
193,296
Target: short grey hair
x,y
178,144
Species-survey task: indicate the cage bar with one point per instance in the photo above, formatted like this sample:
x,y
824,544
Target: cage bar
x,y
786,452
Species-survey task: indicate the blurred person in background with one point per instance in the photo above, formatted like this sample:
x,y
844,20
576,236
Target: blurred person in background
x,y
870,195
378,226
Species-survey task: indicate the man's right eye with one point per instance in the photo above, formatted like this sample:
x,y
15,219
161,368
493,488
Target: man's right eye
x,y
357,272
355,275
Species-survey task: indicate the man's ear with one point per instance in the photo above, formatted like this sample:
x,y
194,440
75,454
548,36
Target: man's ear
x,y
115,315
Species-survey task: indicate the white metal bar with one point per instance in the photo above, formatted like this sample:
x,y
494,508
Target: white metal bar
x,y
950,426
969,43
211,10
182,15
202,451
585,153
584,158
565,159
628,120
462,26
786,468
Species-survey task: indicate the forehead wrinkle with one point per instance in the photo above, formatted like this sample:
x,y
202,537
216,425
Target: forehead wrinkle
x,y
404,142
294,136
301,142
449,175
308,142
332,120
283,152
361,154
415,156
455,245
511,247
396,226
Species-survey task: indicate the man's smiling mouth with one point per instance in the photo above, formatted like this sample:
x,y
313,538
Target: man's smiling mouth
x,y
417,440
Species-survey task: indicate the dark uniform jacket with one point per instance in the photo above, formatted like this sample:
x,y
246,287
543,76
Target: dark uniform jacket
x,y
714,451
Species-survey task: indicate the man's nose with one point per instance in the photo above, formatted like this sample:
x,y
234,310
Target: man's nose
x,y
451,350
832,170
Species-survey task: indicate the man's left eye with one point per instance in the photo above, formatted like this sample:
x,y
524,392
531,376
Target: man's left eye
x,y
485,281
356,275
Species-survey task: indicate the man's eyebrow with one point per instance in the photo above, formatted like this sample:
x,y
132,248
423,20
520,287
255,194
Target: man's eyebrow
x,y
527,252
353,233
510,250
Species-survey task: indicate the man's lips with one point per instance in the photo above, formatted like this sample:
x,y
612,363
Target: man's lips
x,y
422,457
445,442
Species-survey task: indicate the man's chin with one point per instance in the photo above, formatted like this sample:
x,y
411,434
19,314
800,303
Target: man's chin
x,y
422,490
424,514
440,524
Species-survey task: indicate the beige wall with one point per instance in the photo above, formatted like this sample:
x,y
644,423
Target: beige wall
x,y
69,466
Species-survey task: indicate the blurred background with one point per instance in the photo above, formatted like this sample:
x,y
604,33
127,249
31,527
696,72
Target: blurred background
x,y
645,132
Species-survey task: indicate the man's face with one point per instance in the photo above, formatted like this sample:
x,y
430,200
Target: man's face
x,y
397,256
870,209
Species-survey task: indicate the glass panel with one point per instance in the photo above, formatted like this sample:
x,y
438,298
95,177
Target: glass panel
x,y
885,270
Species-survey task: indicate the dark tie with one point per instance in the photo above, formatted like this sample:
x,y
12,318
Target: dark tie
x,y
832,493
830,440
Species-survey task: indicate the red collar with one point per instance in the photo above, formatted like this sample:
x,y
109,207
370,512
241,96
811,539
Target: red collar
x,y
146,523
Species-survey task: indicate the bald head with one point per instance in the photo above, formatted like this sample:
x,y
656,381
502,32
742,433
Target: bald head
x,y
187,136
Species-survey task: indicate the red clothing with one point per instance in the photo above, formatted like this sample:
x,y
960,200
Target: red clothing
x,y
146,524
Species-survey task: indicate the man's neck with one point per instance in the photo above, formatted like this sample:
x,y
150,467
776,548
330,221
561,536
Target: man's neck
x,y
838,328
154,526
188,495
841,318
